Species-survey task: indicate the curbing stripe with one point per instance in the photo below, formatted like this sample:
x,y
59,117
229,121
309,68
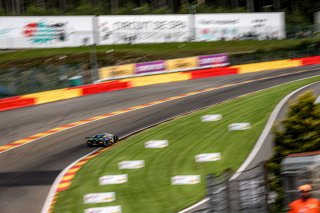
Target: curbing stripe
x,y
81,164
74,169
68,177
57,129
67,183
52,130
11,145
99,117
63,185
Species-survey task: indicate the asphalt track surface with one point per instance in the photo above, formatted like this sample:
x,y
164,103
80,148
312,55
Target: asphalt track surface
x,y
26,173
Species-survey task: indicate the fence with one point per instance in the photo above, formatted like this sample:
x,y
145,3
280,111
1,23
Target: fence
x,y
248,193
56,73
16,81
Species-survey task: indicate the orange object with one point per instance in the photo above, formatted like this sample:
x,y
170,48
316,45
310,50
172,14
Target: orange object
x,y
311,205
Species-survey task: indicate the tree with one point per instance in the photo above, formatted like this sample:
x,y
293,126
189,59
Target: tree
x,y
301,129
250,5
299,132
114,5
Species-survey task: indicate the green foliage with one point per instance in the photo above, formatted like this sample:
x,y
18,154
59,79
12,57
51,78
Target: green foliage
x,y
40,11
162,10
85,8
302,129
2,12
297,18
144,9
36,11
128,9
300,132
210,9
185,9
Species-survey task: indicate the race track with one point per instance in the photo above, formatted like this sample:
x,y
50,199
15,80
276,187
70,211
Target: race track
x,y
26,173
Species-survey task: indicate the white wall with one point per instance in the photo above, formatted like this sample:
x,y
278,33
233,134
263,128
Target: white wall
x,y
45,31
213,27
143,29
71,31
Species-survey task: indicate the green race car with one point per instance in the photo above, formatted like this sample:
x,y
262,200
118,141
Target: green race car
x,y
105,139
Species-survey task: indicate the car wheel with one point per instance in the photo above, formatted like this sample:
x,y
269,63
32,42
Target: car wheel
x,y
105,144
89,145
116,139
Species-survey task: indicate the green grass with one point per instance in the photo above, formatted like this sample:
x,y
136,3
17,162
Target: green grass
x,y
149,188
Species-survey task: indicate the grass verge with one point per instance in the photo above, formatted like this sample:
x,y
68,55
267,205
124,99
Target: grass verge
x,y
149,188
126,53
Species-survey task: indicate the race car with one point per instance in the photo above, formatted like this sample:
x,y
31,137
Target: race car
x,y
105,139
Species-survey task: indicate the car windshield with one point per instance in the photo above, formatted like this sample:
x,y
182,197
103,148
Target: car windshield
x,y
99,136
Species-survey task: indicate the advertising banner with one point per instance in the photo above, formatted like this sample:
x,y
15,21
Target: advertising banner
x,y
108,209
70,31
45,31
113,179
185,179
99,197
148,67
182,63
209,118
117,71
124,29
239,26
133,164
156,144
239,126
213,60
208,157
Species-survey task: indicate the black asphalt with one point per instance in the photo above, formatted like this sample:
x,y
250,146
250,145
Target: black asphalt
x,y
26,173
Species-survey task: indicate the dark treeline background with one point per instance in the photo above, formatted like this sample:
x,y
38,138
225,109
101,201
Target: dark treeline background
x,y
297,11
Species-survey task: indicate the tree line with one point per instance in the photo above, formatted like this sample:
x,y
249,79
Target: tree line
x,y
298,11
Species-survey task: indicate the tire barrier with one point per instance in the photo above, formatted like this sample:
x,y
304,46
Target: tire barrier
x,y
310,60
270,65
54,95
15,102
158,79
211,72
104,87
